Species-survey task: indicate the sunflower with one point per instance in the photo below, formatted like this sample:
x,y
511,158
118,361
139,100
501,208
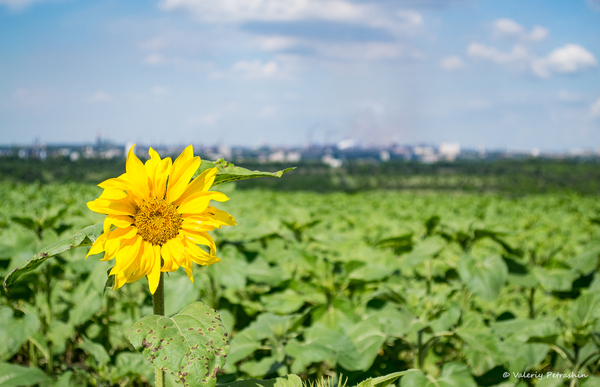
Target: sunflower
x,y
156,218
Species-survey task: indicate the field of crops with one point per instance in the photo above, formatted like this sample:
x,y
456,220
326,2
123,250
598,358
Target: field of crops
x,y
470,289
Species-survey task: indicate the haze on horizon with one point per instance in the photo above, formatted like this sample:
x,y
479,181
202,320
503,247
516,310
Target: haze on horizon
x,y
498,74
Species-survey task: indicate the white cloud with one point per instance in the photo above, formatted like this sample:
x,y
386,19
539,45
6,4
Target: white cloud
x,y
568,59
159,90
257,69
360,51
594,4
32,97
18,5
568,96
268,10
154,59
595,109
276,43
99,97
539,33
180,63
452,62
207,119
479,104
239,11
267,111
509,28
481,51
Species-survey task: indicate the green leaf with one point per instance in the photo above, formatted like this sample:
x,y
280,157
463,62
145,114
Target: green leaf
x,y
590,381
453,374
555,279
284,381
229,172
131,364
180,292
306,354
85,237
587,261
231,271
24,221
424,251
484,277
258,369
371,272
12,375
285,302
585,309
64,380
15,331
191,345
344,350
96,350
367,338
260,271
384,381
243,344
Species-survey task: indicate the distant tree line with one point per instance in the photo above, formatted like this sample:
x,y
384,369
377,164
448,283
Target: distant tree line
x,y
506,176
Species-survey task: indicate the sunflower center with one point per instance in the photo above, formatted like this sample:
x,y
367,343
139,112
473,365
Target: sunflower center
x,y
157,221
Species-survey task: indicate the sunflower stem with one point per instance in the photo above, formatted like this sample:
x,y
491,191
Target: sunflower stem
x,y
158,306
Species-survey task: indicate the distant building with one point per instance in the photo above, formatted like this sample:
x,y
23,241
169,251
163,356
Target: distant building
x,y
449,150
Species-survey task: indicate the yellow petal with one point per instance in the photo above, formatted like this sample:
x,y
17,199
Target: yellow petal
x,y
200,238
158,172
120,280
201,183
170,257
198,255
128,255
137,175
98,245
121,221
208,220
198,202
180,178
154,274
115,239
117,183
112,207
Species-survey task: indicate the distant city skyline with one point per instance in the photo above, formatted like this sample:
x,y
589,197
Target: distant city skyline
x,y
483,73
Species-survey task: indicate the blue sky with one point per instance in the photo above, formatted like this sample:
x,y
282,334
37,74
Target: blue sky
x,y
498,74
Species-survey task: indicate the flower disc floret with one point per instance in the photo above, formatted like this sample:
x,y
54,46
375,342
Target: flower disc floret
x,y
157,217
157,221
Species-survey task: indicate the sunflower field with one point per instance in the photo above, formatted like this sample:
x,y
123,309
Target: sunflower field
x,y
417,288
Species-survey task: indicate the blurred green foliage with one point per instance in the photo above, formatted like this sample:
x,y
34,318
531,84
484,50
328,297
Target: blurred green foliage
x,y
462,286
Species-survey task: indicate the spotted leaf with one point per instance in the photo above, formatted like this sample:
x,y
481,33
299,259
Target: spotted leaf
x,y
192,345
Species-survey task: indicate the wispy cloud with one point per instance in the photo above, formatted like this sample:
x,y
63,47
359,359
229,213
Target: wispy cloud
x,y
508,28
99,97
493,54
452,62
257,69
595,109
595,4
18,5
373,14
568,96
269,10
178,62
